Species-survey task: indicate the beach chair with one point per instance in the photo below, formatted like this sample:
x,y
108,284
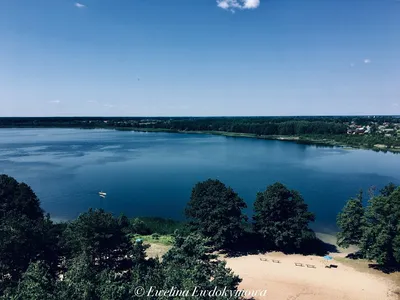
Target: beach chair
x,y
298,264
310,266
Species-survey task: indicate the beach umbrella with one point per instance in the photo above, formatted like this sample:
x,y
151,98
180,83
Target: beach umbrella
x,y
326,259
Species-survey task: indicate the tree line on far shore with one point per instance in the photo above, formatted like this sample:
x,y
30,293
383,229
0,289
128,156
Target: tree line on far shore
x,y
317,129
252,125
97,256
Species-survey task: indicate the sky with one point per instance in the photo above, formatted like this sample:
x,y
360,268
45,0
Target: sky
x,y
199,57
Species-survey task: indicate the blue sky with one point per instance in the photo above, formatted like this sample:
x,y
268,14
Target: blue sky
x,y
199,57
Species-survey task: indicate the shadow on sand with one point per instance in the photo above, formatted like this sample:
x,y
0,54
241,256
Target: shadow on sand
x,y
252,244
385,269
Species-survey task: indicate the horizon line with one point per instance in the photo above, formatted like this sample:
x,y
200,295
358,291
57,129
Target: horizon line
x,y
203,116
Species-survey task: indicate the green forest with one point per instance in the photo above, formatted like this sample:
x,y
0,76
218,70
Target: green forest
x,y
99,256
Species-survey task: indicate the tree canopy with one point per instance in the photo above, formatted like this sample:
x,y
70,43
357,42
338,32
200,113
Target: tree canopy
x,y
18,199
94,257
381,234
37,283
190,265
25,233
351,222
375,228
281,217
215,211
100,236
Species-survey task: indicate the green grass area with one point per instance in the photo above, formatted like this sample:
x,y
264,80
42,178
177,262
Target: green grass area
x,y
166,239
160,225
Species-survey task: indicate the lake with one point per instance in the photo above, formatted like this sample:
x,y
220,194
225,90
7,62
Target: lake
x,y
152,174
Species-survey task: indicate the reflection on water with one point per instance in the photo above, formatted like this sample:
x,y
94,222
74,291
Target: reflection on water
x,y
153,173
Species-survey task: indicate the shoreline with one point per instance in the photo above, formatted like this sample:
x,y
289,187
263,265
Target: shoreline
x,y
312,141
296,139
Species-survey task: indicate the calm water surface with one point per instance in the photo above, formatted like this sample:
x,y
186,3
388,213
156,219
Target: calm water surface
x,y
152,174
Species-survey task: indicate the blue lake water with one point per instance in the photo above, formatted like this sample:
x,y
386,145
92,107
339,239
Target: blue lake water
x,y
152,174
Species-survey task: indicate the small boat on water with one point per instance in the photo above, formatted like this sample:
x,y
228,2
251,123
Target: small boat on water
x,y
102,194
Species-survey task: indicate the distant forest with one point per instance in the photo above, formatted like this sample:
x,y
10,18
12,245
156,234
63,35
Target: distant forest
x,y
330,130
255,125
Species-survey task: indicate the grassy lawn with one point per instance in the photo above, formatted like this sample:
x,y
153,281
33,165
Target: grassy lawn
x,y
159,244
166,240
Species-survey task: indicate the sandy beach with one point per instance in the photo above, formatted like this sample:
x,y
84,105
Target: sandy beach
x,y
283,280
351,280
287,281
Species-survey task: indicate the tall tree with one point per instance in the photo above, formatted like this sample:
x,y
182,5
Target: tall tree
x,y
80,281
37,283
23,231
381,237
388,189
189,266
281,217
101,237
115,286
215,211
146,272
83,281
351,222
18,199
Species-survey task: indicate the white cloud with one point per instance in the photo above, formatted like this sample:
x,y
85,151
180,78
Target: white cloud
x,y
395,104
108,105
367,61
251,4
55,101
80,5
223,4
238,4
352,65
